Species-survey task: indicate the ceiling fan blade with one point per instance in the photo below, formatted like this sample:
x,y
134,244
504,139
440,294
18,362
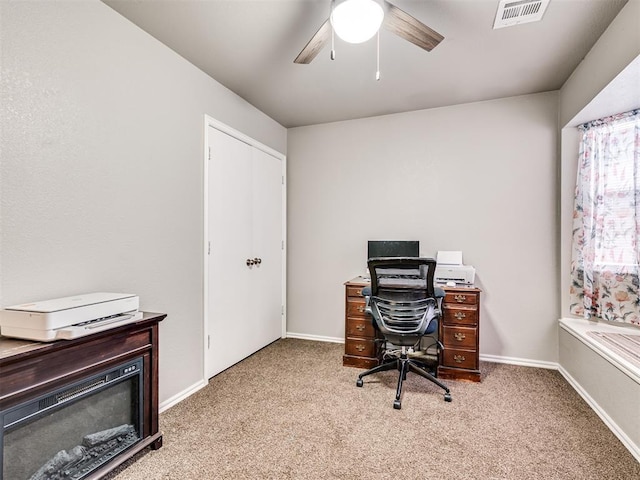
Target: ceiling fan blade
x,y
316,43
410,28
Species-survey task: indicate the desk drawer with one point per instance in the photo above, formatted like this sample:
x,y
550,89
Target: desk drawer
x,y
360,327
459,337
355,307
360,362
353,291
459,315
360,347
459,358
461,298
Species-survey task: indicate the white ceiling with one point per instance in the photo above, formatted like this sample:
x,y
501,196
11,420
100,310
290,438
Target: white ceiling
x,y
249,47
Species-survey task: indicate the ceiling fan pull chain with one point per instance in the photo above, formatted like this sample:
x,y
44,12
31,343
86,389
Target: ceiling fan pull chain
x,y
378,57
333,51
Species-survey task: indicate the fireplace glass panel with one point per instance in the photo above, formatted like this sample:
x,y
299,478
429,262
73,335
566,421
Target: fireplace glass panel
x,y
88,424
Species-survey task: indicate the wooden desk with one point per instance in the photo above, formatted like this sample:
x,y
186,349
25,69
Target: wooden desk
x,y
459,332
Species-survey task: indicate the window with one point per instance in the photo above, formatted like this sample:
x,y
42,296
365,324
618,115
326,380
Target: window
x,y
604,264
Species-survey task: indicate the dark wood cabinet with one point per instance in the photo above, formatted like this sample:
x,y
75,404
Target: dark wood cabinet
x,y
362,342
459,332
31,369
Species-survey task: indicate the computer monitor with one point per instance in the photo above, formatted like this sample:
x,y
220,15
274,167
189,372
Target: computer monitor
x,y
393,248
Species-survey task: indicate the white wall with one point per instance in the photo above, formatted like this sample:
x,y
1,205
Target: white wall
x,y
606,82
616,48
102,167
480,178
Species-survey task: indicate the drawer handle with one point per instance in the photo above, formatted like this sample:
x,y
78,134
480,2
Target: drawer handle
x,y
460,298
360,348
361,309
459,358
460,315
459,336
360,327
359,292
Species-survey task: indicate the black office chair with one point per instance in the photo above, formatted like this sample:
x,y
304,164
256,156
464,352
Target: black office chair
x,y
405,306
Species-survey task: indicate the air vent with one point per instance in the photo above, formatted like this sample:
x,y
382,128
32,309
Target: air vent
x,y
513,13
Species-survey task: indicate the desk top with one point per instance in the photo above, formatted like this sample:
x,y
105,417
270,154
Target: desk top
x,y
361,281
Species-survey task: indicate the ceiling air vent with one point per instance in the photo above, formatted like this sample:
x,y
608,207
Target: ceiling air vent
x,y
513,12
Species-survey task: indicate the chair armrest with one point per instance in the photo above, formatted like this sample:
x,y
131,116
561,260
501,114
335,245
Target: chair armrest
x,y
366,293
439,294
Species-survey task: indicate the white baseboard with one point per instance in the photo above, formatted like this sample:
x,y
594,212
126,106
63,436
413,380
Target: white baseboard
x,y
177,398
317,338
608,421
524,362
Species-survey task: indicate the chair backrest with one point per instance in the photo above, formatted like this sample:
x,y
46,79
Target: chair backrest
x,y
403,302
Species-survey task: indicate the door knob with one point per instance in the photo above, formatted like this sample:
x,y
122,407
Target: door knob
x,y
250,262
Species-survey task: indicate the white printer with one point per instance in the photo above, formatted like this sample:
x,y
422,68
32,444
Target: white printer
x,y
69,317
449,268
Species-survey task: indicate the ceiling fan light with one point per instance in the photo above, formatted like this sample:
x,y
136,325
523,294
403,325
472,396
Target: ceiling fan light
x,y
356,21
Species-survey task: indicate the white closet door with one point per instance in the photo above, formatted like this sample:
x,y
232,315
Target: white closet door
x,y
245,222
230,218
267,246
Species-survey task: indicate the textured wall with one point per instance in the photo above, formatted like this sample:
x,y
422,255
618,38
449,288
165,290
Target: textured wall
x,y
595,89
480,178
102,167
618,46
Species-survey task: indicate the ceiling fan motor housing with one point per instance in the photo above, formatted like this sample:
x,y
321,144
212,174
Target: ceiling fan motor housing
x,y
356,21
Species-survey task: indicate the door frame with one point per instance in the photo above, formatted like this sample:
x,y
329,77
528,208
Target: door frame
x,y
212,122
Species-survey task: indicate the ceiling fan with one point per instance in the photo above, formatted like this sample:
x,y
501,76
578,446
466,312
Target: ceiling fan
x,y
367,16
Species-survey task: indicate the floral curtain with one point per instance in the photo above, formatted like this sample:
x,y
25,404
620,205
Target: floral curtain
x,y
606,221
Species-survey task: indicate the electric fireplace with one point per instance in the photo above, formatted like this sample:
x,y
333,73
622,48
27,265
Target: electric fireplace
x,y
76,409
75,429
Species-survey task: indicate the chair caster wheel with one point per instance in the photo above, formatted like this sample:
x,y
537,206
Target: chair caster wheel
x,y
397,405
359,382
447,397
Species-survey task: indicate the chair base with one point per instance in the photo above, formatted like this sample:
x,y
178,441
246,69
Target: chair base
x,y
404,365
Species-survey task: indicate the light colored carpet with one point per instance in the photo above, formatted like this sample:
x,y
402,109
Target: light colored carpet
x,y
292,411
